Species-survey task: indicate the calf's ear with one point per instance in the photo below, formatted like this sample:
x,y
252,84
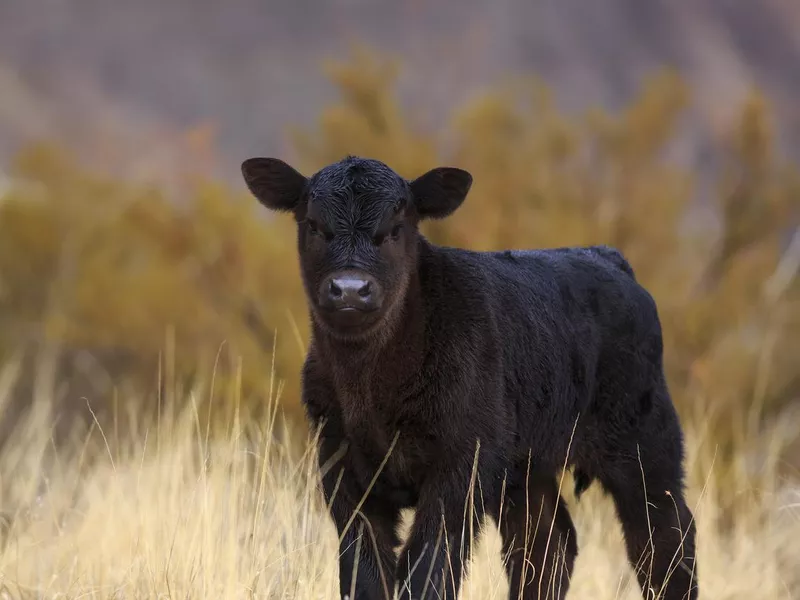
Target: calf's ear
x,y
274,183
440,191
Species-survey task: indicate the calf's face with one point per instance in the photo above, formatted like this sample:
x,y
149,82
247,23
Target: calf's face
x,y
357,231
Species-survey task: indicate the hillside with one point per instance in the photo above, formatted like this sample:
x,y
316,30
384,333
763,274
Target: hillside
x,y
130,71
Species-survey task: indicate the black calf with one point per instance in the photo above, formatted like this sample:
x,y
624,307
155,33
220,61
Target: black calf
x,y
465,368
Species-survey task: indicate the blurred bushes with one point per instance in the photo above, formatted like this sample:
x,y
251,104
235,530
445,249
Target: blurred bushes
x,y
123,278
144,290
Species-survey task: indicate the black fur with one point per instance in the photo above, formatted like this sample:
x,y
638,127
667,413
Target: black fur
x,y
546,358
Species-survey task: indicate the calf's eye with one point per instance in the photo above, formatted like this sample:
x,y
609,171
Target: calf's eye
x,y
393,234
312,226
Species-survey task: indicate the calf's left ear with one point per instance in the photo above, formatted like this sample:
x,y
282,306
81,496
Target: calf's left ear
x,y
440,191
274,183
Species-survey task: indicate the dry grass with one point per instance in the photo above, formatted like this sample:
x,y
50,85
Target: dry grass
x,y
179,514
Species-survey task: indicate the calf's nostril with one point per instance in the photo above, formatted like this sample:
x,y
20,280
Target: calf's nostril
x,y
364,291
335,290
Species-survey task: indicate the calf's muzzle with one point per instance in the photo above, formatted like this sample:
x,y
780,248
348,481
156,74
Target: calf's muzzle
x,y
350,291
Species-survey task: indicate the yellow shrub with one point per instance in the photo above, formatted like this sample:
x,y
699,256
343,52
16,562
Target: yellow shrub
x,y
118,269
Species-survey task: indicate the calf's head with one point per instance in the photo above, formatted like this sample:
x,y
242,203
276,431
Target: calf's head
x,y
357,231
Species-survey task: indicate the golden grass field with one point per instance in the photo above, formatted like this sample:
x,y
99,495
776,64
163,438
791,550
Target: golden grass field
x,y
180,514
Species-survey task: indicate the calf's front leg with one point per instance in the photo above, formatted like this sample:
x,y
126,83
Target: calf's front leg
x,y
432,563
366,540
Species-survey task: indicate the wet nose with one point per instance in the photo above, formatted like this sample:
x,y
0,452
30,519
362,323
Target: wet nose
x,y
350,292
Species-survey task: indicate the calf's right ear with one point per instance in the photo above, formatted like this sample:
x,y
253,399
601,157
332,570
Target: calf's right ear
x,y
274,183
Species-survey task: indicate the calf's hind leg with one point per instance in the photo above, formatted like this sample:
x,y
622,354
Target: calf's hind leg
x,y
539,539
645,480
